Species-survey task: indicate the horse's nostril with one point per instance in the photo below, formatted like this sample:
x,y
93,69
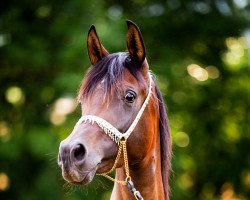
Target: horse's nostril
x,y
79,152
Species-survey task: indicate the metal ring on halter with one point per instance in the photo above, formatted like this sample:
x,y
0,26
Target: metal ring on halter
x,y
128,178
123,139
137,195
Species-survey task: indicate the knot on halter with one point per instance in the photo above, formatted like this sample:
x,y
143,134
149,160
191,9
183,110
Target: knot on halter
x,y
109,129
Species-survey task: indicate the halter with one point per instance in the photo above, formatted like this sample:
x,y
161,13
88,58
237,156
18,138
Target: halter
x,y
120,139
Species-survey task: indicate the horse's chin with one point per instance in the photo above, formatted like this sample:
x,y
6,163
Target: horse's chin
x,y
78,178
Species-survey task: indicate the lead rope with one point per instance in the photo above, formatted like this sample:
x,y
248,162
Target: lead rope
x,y
128,182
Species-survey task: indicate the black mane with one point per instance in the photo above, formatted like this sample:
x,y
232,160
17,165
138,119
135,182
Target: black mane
x,y
111,69
166,143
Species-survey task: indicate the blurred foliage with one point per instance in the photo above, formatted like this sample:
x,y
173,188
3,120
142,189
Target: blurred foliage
x,y
199,51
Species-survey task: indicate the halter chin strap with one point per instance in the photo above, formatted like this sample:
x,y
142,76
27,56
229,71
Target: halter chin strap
x,y
109,129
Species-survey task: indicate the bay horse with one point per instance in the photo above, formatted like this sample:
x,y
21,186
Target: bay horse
x,y
124,125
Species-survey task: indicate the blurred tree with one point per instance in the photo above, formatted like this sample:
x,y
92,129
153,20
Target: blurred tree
x,y
199,51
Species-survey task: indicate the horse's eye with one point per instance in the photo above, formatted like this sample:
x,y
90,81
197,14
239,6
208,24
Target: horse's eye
x,y
130,97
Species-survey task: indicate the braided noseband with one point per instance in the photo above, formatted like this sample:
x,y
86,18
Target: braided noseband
x,y
120,139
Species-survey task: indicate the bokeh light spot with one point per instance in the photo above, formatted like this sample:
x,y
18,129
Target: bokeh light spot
x,y
231,129
4,39
197,72
156,10
241,3
4,131
57,119
187,163
236,51
223,7
177,122
231,59
181,139
201,7
227,192
43,11
213,72
185,181
115,12
153,10
15,95
62,107
246,178
4,182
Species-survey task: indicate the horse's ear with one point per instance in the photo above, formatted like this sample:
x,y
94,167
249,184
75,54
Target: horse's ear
x,y
135,43
95,49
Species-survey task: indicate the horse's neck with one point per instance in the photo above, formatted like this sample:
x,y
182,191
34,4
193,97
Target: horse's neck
x,y
146,178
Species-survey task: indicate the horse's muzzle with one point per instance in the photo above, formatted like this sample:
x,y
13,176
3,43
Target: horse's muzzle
x,y
71,155
71,159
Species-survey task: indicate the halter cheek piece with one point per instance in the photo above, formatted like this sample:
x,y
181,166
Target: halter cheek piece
x,y
120,139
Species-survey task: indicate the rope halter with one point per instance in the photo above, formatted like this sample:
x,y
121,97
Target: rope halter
x,y
119,138
109,129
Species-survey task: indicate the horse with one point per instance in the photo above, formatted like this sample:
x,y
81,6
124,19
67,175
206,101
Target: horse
x,y
124,124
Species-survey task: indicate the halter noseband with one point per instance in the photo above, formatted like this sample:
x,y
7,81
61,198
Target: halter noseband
x,y
120,139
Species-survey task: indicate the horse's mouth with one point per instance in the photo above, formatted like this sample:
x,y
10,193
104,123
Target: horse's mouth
x,y
78,178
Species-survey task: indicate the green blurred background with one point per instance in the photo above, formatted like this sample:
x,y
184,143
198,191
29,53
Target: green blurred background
x,y
200,52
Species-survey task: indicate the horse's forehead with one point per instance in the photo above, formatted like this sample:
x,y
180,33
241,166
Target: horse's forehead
x,y
100,91
129,78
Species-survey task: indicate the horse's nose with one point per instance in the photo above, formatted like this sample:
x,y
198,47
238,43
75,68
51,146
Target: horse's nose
x,y
77,154
64,157
73,154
